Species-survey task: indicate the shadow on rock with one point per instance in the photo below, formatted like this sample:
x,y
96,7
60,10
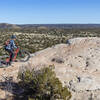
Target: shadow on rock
x,y
12,90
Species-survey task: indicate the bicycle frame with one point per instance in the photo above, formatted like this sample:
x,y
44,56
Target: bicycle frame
x,y
15,55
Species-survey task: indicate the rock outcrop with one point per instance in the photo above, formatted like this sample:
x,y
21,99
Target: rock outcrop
x,y
77,65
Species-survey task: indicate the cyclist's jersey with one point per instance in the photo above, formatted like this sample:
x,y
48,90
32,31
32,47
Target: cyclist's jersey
x,y
10,45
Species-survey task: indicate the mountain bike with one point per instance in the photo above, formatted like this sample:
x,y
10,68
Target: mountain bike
x,y
19,56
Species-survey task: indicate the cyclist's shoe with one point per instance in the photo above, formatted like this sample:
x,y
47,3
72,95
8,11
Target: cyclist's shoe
x,y
8,63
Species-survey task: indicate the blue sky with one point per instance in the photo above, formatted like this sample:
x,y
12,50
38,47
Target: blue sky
x,y
49,11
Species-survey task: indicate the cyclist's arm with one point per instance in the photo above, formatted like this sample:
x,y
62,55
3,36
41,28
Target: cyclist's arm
x,y
13,44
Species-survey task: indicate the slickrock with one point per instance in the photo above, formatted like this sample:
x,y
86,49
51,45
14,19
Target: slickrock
x,y
77,65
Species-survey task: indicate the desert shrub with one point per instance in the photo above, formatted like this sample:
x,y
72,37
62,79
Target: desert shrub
x,y
43,85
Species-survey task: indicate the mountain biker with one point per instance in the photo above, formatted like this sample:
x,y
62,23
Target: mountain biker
x,y
10,48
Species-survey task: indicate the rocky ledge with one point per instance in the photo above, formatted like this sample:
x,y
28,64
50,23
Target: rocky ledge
x,y
77,65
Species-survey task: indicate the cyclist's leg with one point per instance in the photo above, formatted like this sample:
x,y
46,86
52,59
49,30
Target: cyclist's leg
x,y
8,59
15,54
12,55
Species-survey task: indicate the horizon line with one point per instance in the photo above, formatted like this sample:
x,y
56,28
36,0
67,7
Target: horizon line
x,y
49,23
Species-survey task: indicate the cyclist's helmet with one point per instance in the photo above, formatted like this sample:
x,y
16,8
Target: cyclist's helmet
x,y
13,37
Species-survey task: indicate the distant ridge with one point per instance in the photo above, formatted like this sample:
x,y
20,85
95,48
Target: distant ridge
x,y
8,26
68,26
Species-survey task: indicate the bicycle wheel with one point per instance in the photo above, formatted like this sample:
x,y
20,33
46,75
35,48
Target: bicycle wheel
x,y
3,62
23,56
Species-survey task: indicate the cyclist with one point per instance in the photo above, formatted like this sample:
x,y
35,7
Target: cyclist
x,y
9,47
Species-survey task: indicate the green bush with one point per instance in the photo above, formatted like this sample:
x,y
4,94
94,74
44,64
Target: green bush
x,y
43,85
